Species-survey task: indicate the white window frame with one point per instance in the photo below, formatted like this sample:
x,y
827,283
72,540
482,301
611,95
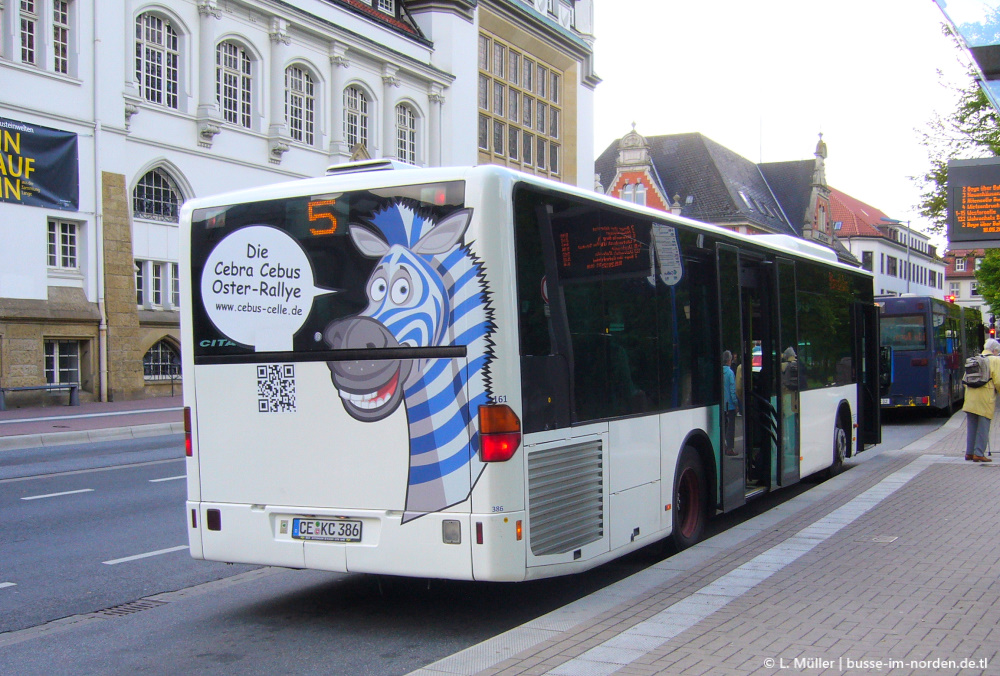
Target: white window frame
x,y
300,104
234,83
356,116
63,245
955,289
157,60
29,21
959,265
60,36
386,6
406,134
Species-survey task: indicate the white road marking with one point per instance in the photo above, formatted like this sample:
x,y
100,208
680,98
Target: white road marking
x,y
169,478
79,416
112,562
56,495
4,585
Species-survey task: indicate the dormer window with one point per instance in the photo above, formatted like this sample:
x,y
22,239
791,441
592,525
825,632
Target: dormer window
x,y
959,265
387,6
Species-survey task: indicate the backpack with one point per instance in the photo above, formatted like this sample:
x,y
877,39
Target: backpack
x,y
977,371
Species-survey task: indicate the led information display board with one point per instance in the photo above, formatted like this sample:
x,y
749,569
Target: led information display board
x,y
974,201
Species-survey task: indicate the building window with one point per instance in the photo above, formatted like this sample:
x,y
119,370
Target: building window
x,y
890,266
234,84
29,29
406,134
161,362
60,36
62,361
955,289
484,133
519,97
978,264
156,60
355,117
959,265
156,197
387,6
156,284
300,105
62,245
640,188
175,285
866,260
974,289
140,282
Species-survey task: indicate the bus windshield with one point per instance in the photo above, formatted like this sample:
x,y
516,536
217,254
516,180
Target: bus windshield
x,y
905,332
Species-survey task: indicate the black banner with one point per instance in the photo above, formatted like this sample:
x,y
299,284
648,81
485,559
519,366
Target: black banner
x,y
39,166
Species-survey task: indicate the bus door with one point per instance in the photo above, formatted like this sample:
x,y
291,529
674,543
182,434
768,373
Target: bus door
x,y
866,347
749,436
789,376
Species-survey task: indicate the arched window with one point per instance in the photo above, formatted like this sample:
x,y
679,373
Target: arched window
x,y
234,84
628,192
161,362
640,193
300,104
156,60
355,117
156,197
406,134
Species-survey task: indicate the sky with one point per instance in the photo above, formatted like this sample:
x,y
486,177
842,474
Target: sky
x,y
764,78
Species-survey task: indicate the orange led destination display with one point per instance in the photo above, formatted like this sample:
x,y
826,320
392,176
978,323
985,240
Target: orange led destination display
x,y
601,249
979,208
974,200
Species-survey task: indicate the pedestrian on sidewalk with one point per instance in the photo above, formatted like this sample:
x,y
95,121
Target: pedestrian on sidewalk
x,y
979,405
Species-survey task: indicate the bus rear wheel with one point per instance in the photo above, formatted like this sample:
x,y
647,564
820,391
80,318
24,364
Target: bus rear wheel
x,y
690,510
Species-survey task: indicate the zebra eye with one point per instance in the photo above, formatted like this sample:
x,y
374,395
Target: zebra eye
x,y
400,291
377,289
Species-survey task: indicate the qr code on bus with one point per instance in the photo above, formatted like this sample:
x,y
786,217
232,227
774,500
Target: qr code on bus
x,y
276,388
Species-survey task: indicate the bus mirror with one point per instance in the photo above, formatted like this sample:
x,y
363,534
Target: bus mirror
x,y
885,366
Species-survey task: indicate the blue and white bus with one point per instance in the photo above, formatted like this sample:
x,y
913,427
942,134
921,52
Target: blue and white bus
x,y
474,373
930,340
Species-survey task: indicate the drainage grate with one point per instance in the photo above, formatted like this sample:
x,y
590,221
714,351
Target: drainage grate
x,y
885,538
128,608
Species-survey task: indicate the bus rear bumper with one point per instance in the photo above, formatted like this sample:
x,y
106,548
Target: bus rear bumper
x,y
266,535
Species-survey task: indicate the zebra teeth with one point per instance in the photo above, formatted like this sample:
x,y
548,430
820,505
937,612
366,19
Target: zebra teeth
x,y
370,401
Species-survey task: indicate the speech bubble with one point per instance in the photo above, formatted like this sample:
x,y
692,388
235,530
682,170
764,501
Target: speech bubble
x,y
258,287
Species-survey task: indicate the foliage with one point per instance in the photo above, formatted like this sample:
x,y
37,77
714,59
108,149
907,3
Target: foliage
x,y
988,276
971,130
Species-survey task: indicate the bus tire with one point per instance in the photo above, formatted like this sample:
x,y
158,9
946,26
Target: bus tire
x,y
690,511
841,439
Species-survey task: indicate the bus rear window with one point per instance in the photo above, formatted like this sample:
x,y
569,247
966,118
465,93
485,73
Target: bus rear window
x,y
905,332
268,276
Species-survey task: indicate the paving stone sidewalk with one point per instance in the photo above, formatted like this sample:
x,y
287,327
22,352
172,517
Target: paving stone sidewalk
x,y
892,567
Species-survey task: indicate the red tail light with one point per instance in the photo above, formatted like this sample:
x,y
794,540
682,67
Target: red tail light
x,y
187,432
499,433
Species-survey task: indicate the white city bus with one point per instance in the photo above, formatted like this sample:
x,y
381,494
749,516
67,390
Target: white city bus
x,y
473,373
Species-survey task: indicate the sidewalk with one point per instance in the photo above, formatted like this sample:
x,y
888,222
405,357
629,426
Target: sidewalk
x,y
891,567
97,421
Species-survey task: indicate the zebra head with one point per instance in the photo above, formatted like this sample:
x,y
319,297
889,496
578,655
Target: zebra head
x,y
408,306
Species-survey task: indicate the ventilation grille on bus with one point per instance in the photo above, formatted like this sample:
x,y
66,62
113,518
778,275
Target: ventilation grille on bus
x,y
565,498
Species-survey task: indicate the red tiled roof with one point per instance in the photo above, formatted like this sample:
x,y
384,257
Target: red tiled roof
x,y
856,217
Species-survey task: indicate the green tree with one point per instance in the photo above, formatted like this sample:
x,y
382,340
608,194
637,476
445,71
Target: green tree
x,y
988,276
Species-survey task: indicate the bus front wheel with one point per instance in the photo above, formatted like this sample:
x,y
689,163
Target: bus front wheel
x,y
690,510
840,442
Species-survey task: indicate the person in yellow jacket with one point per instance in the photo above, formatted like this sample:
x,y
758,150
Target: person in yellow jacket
x,y
980,403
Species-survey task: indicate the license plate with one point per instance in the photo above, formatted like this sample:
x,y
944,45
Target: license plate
x,y
886,401
335,530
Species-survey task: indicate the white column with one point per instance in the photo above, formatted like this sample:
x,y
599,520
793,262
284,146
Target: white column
x,y
389,80
277,132
338,65
209,116
435,99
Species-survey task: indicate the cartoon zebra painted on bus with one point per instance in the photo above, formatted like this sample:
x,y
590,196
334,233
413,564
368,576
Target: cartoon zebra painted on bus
x,y
426,290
